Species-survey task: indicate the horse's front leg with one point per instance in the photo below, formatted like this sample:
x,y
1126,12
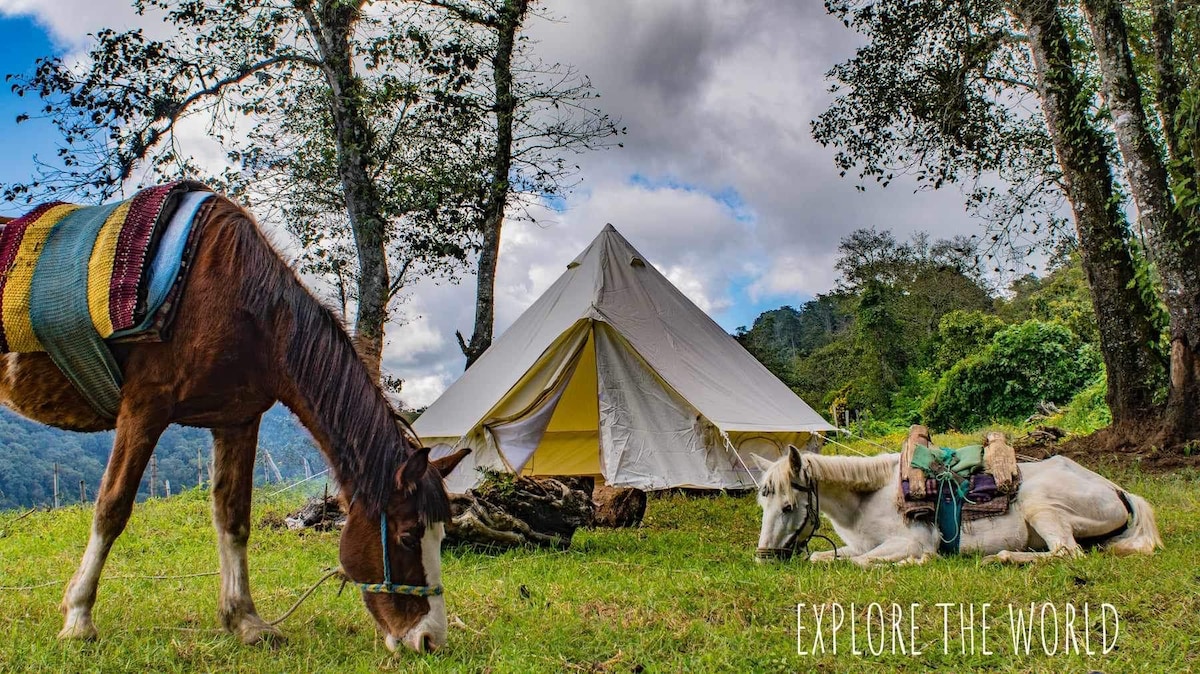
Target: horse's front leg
x,y
138,428
838,553
897,550
234,449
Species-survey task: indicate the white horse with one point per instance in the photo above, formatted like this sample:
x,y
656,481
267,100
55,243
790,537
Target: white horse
x,y
1059,506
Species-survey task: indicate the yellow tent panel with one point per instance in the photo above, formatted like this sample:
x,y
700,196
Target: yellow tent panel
x,y
571,445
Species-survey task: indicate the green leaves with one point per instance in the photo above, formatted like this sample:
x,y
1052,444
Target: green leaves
x,y
1026,364
940,92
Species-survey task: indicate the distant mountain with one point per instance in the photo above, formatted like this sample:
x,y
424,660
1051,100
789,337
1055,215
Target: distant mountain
x,y
29,450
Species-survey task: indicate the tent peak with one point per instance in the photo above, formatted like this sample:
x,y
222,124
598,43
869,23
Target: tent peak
x,y
608,227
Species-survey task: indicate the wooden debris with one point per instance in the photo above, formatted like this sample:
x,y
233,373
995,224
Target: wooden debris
x,y
619,506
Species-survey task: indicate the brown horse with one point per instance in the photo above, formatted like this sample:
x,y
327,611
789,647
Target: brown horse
x,y
248,334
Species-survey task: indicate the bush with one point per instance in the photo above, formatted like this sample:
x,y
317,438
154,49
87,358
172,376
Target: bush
x,y
1088,410
1025,364
961,334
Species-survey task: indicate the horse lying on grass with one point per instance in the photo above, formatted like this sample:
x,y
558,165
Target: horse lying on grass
x,y
246,334
1059,506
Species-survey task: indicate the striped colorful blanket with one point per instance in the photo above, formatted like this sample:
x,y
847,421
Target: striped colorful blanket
x,y
72,277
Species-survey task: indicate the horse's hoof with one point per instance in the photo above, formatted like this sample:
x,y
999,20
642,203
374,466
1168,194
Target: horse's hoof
x,y
79,630
259,632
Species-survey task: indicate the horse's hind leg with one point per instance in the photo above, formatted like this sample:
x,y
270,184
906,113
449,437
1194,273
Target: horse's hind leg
x,y
138,429
1054,530
234,449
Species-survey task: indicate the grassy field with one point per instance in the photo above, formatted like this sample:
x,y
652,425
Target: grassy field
x,y
681,593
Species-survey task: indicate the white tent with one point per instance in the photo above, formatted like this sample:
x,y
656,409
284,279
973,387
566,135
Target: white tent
x,y
614,373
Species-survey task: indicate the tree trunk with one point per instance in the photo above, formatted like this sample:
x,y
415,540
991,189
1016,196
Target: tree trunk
x,y
1162,40
333,29
1178,262
510,18
1122,314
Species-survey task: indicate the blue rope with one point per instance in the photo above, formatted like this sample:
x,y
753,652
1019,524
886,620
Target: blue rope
x,y
387,565
387,586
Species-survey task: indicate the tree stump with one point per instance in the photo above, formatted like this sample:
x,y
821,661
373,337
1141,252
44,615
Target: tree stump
x,y
619,506
509,511
318,513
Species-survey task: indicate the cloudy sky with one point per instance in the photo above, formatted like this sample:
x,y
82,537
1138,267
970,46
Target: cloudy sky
x,y
719,184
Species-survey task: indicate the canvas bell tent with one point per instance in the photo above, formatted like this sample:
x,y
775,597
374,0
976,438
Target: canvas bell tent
x,y
614,373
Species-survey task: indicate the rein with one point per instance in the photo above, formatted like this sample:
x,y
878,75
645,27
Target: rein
x,y
387,586
807,530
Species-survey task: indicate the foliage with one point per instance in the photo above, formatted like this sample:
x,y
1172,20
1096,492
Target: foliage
x,y
1087,411
907,314
1025,364
961,334
823,377
781,335
854,348
1062,295
679,593
909,399
940,92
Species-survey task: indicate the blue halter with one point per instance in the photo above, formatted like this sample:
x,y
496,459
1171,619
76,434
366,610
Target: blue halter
x,y
387,586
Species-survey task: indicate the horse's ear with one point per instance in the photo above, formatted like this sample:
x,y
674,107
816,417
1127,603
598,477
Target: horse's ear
x,y
794,459
446,464
761,462
414,468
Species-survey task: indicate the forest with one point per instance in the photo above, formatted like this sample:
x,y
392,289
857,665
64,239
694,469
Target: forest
x,y
31,450
916,332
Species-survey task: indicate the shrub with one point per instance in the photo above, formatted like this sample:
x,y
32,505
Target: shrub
x,y
1088,410
961,334
1025,364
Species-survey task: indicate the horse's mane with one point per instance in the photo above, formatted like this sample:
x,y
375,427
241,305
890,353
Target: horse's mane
x,y
866,473
366,446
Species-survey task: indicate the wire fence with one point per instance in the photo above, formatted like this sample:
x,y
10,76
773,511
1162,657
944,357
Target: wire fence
x,y
271,484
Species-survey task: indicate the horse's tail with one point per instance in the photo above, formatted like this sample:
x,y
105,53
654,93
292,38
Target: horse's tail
x,y
1142,537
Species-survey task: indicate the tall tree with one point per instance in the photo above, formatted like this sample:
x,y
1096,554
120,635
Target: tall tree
x,y
539,113
939,91
1173,233
335,133
1127,336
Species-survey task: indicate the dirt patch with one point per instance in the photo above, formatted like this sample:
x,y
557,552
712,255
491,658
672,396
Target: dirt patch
x,y
1132,445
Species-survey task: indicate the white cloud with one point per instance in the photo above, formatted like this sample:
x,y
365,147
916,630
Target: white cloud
x,y
69,21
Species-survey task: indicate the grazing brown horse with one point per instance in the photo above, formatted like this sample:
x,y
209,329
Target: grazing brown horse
x,y
248,334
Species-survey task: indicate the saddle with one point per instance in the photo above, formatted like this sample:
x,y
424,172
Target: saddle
x,y
73,279
950,486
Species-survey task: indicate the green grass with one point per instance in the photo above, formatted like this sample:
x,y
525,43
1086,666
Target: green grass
x,y
680,593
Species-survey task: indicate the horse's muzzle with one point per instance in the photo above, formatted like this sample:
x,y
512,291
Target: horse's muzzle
x,y
773,554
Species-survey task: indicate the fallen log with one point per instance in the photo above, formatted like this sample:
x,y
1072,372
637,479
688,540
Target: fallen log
x,y
505,511
319,513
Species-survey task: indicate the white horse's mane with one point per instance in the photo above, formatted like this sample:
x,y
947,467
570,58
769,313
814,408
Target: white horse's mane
x,y
866,473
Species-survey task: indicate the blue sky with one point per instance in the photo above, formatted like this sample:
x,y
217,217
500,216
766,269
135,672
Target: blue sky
x,y
24,41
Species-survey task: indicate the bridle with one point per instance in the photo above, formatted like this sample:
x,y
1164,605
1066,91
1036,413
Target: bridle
x,y
387,586
808,528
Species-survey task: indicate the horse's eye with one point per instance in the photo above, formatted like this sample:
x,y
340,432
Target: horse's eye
x,y
788,508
